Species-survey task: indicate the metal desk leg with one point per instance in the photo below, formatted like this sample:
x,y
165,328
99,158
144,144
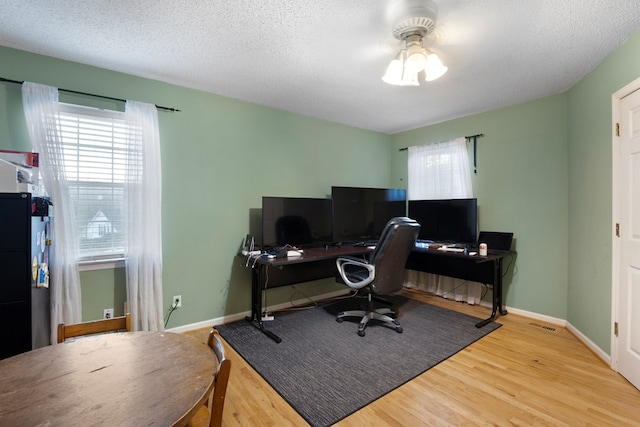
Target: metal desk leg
x,y
256,304
496,305
501,308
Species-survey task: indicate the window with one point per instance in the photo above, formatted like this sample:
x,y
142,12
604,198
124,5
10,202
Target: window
x,y
439,171
95,153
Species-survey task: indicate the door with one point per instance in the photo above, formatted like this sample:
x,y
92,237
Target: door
x,y
628,319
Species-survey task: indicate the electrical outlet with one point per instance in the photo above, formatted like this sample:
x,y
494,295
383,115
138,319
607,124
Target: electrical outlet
x,y
108,313
177,301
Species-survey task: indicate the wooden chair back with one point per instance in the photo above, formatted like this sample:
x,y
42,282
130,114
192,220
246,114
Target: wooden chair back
x,y
122,323
222,378
211,412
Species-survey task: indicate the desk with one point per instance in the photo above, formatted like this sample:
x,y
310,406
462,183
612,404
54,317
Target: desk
x,y
116,379
314,264
486,269
319,263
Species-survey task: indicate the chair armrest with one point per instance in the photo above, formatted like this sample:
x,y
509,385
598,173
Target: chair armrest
x,y
344,262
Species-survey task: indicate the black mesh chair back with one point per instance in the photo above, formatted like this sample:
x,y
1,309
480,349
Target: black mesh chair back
x,y
391,253
382,274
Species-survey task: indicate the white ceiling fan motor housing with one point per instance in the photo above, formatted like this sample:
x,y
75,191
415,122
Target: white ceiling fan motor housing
x,y
414,17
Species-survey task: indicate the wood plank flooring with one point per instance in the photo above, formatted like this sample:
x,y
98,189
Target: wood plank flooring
x,y
526,373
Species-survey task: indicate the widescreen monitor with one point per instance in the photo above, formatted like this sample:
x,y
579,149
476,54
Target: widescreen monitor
x,y
296,221
360,213
446,221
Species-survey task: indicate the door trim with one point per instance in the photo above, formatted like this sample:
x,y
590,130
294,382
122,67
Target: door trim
x,y
616,97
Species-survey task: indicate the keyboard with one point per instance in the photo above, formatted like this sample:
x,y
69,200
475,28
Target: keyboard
x,y
366,243
450,249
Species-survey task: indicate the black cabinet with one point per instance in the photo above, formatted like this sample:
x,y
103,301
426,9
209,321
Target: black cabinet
x,y
24,246
15,273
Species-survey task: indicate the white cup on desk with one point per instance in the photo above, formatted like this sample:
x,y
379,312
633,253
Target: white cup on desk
x,y
482,249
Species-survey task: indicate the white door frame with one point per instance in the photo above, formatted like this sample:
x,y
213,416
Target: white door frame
x,y
615,217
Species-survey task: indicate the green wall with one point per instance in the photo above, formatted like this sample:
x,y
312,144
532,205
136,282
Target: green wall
x,y
219,157
521,185
590,195
544,172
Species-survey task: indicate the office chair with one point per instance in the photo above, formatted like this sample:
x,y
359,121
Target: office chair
x,y
122,323
210,415
382,274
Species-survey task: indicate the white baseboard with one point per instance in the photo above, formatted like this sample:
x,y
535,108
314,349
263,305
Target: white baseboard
x,y
536,316
563,323
590,344
238,316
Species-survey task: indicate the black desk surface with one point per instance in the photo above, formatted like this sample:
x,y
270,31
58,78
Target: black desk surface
x,y
316,254
478,258
475,268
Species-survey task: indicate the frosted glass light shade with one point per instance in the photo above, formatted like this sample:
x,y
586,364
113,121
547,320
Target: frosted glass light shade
x,y
416,59
409,78
397,73
434,68
393,76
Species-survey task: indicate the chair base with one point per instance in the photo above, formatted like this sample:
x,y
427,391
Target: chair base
x,y
380,314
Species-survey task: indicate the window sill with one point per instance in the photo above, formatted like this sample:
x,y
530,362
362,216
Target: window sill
x,y
101,264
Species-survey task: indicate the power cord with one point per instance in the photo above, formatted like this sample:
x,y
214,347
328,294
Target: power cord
x,y
452,290
352,294
174,306
293,307
486,291
506,270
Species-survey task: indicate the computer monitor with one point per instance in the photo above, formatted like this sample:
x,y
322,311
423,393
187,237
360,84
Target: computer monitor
x,y
446,221
360,213
296,221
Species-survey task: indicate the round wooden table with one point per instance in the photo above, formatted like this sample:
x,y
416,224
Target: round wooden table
x,y
116,379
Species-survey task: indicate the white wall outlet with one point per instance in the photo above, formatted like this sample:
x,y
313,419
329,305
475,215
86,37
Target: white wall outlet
x,y
108,313
177,301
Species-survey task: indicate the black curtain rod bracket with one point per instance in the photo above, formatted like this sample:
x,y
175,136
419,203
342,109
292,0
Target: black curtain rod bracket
x,y
475,149
159,107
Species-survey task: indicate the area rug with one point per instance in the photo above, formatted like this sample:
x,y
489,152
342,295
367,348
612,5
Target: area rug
x,y
325,371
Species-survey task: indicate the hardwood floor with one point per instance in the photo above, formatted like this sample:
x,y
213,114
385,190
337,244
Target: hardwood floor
x,y
526,373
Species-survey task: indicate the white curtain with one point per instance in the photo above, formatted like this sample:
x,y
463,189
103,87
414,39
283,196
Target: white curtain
x,y
441,171
40,104
144,232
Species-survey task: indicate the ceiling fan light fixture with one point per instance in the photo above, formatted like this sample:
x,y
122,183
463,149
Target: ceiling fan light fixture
x,y
434,68
416,21
416,58
393,76
409,78
397,73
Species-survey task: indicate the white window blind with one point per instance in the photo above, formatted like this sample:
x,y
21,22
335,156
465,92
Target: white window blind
x,y
95,153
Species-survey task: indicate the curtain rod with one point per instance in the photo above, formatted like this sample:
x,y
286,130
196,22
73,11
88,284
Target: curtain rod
x,y
159,107
474,137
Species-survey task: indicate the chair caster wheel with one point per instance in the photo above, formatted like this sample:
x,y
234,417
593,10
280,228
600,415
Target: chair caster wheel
x,y
361,333
339,319
398,329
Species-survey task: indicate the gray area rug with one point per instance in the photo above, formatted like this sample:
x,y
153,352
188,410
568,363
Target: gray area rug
x,y
325,371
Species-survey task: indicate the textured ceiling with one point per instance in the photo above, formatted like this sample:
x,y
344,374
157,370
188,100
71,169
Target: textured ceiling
x,y
325,58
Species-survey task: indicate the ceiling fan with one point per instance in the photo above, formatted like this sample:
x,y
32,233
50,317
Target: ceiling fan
x,y
414,20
